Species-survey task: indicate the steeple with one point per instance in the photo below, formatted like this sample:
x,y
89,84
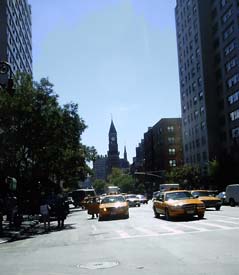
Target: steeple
x,y
112,128
125,153
113,153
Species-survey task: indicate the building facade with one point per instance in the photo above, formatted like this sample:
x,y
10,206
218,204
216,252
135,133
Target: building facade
x,y
100,168
16,35
208,52
163,146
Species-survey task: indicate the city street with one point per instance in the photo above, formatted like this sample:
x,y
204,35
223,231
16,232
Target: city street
x,y
141,244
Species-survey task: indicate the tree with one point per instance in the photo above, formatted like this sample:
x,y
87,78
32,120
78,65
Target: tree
x,y
187,176
40,141
125,182
99,186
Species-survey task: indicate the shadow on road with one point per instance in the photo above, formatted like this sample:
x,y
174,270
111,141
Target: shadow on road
x,y
39,230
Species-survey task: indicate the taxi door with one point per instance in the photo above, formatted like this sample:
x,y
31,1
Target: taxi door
x,y
159,203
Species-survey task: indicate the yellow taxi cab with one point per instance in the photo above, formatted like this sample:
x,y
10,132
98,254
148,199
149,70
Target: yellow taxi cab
x,y
177,203
207,197
113,206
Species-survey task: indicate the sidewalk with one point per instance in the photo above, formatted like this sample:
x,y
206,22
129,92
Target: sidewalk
x,y
13,233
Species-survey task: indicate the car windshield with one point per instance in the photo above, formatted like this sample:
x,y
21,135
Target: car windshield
x,y
178,196
131,197
202,193
113,199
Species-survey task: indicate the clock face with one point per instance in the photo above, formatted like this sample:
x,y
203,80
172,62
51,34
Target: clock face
x,y
113,138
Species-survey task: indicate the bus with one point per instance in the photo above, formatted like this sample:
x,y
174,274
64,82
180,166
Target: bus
x,y
112,190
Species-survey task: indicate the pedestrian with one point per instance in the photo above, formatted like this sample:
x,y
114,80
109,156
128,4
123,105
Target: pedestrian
x,y
93,207
61,211
45,213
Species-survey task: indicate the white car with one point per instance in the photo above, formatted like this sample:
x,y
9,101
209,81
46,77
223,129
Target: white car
x,y
232,194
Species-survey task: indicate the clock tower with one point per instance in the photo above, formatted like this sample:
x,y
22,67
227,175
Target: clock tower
x,y
113,153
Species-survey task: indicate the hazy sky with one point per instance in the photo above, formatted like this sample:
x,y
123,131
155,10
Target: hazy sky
x,y
114,57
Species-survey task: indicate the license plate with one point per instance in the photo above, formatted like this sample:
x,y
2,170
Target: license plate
x,y
190,212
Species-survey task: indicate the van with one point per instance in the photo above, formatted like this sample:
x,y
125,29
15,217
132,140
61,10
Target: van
x,y
232,194
80,194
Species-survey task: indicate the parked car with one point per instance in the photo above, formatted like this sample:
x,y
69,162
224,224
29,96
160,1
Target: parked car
x,y
132,200
207,197
222,197
173,204
113,206
232,194
143,199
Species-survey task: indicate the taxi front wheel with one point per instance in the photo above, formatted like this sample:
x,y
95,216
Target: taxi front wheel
x,y
156,215
167,215
200,216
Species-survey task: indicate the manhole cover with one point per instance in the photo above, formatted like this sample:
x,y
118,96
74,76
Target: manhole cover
x,y
98,265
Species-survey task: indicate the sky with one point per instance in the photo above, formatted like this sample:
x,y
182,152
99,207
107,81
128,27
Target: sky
x,y
114,58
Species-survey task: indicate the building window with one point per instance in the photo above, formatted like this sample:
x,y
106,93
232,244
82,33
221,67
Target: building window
x,y
233,98
228,32
235,132
233,80
170,129
234,115
171,140
230,47
171,151
231,64
226,16
195,100
172,163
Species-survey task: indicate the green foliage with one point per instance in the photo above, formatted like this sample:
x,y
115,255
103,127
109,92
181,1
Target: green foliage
x,y
187,176
99,186
39,139
124,182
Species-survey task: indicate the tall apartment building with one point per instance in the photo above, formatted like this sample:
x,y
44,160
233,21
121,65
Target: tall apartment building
x,y
208,57
16,34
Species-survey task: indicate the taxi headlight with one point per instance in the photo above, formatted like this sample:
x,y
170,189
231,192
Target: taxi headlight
x,y
104,209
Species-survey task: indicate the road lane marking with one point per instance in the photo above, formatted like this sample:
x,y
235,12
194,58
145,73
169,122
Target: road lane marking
x,y
170,229
147,232
123,234
223,216
237,223
94,229
217,225
201,229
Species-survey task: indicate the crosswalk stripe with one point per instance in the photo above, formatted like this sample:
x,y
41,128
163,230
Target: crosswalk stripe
x,y
123,234
202,229
146,231
217,225
230,222
170,229
223,216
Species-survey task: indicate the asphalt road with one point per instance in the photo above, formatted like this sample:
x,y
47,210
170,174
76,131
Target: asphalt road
x,y
141,244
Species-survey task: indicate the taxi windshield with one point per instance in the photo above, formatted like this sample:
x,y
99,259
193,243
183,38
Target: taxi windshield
x,y
113,199
178,196
202,193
